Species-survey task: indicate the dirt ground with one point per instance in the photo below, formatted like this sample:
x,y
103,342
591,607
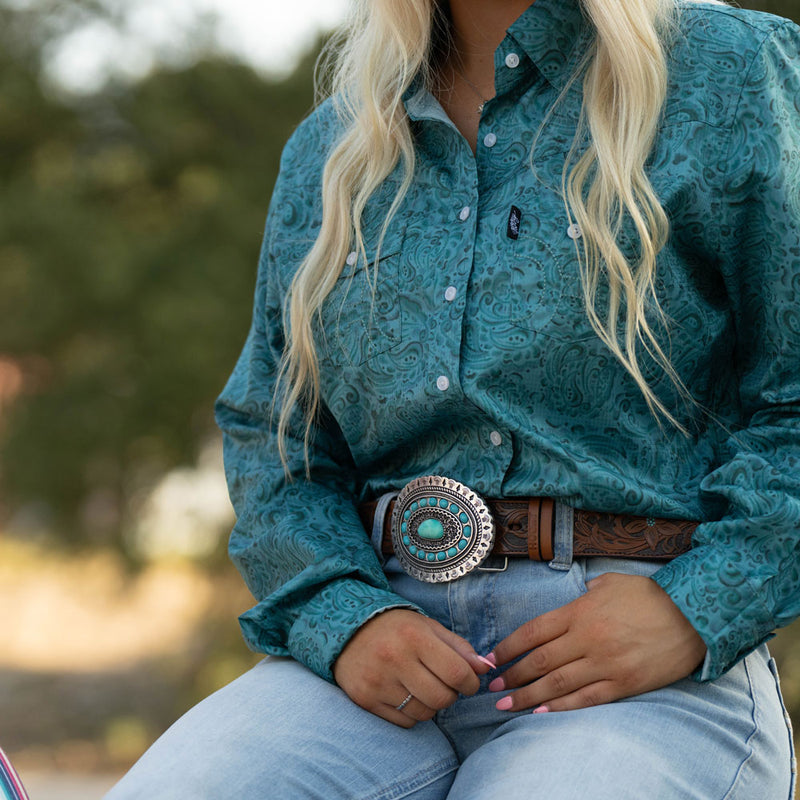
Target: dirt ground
x,y
97,661
53,786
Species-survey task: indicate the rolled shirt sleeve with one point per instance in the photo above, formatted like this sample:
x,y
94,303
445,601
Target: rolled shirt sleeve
x,y
742,578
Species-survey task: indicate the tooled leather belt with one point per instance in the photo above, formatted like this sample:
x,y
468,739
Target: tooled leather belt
x,y
522,527
525,528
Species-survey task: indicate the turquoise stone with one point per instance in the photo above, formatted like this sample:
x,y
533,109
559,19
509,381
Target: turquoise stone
x,y
454,509
423,502
414,507
422,555
463,517
443,503
462,544
431,529
466,530
452,552
413,549
406,541
441,556
403,527
432,502
431,556
406,514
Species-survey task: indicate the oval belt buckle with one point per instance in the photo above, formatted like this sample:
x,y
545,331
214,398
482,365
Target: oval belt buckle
x,y
441,529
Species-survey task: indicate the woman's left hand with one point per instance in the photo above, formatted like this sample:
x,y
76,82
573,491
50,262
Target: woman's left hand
x,y
623,637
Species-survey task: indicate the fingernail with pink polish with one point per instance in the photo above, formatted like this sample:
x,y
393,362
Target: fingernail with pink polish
x,y
486,661
490,657
541,710
504,704
497,685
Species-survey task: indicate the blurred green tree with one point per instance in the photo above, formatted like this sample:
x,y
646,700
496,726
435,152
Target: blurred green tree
x,y
130,222
784,8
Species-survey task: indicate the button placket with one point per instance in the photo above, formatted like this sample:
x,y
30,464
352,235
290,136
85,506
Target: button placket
x,y
451,292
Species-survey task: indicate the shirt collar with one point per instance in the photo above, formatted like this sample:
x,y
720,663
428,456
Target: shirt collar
x,y
554,34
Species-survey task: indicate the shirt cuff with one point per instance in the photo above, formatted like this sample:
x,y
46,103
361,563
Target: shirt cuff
x,y
326,623
721,606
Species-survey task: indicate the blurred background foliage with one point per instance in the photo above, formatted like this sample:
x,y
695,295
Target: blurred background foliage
x,y
130,225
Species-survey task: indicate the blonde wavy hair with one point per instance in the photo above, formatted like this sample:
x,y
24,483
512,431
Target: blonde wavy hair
x,y
385,45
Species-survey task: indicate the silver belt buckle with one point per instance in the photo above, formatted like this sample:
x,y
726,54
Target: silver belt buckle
x,y
441,529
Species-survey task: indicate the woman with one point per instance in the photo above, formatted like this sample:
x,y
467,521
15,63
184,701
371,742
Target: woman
x,y
550,251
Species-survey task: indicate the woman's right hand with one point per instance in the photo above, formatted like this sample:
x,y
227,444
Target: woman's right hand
x,y
401,652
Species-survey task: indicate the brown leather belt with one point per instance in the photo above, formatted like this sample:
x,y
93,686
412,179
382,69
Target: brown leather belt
x,y
525,527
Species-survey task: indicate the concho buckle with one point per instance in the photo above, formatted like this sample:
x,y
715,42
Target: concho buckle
x,y
441,529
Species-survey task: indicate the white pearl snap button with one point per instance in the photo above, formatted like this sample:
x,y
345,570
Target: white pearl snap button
x,y
574,231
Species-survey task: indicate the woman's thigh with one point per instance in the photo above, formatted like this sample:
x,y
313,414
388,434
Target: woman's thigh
x,y
280,731
725,740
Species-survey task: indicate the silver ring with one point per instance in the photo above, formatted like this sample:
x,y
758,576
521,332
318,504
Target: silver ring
x,y
404,703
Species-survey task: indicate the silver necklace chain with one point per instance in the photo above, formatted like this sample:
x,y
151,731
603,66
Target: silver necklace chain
x,y
472,86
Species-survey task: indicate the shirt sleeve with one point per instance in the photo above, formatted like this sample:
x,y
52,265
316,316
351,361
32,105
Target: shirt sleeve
x,y
299,543
741,579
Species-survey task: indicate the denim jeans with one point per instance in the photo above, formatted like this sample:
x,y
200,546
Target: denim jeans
x,y
279,731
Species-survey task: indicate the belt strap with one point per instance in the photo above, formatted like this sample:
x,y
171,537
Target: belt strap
x,y
525,527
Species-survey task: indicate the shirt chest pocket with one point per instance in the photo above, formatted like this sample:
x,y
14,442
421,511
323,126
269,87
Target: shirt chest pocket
x,y
543,288
362,317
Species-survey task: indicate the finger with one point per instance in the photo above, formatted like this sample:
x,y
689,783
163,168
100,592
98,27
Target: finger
x,y
478,663
410,706
429,689
452,671
533,633
418,711
560,683
594,694
391,714
539,662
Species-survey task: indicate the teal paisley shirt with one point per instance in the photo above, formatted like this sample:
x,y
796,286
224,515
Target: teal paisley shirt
x,y
478,361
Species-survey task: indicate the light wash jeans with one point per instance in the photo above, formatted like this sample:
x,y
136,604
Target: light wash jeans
x,y
281,732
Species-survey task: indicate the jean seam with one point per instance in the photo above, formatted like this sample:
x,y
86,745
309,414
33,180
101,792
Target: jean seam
x,y
450,617
789,730
729,795
492,630
579,575
435,772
